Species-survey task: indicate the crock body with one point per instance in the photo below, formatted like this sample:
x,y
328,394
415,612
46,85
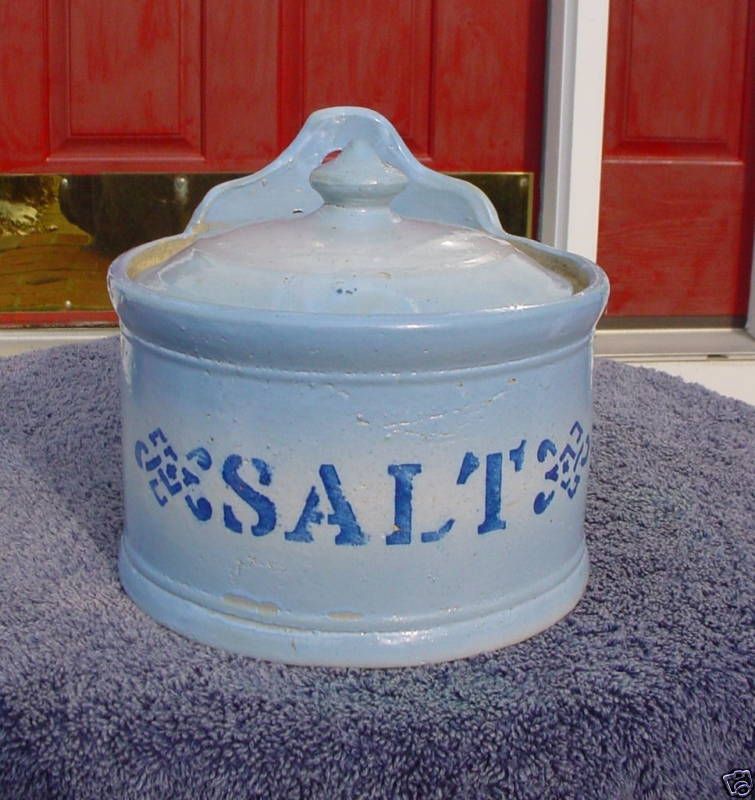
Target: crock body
x,y
358,491
379,518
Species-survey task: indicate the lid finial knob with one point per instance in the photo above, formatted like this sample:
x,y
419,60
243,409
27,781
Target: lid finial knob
x,y
357,177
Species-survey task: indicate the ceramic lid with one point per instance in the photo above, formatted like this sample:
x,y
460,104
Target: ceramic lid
x,y
354,255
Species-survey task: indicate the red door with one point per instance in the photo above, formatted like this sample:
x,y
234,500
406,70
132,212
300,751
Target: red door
x,y
92,86
676,213
186,85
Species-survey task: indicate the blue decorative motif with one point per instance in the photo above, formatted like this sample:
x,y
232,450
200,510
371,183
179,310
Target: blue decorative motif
x,y
564,469
171,476
160,457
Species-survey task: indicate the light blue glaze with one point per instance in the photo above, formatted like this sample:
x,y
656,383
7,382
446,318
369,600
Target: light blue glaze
x,y
354,255
336,488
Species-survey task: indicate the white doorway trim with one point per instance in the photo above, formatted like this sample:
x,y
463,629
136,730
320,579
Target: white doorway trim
x,y
574,109
750,324
575,102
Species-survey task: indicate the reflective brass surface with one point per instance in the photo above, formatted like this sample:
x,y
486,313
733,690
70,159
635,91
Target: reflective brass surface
x,y
511,193
58,234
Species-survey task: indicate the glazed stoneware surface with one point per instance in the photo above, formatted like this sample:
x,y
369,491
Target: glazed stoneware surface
x,y
356,413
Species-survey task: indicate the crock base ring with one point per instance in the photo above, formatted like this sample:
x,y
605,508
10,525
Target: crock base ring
x,y
458,639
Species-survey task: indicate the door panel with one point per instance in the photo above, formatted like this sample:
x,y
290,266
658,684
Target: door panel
x,y
676,195
124,80
488,67
242,78
24,115
376,53
670,251
171,85
193,86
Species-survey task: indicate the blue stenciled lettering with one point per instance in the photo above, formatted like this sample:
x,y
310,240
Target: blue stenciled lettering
x,y
172,476
230,520
310,514
516,456
469,464
436,536
403,475
343,515
493,481
350,532
264,507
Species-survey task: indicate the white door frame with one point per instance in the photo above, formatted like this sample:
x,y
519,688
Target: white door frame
x,y
574,109
750,324
574,106
575,102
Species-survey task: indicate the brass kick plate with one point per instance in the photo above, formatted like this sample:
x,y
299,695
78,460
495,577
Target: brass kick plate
x,y
58,234
511,195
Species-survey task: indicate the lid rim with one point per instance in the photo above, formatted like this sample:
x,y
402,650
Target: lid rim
x,y
118,275
296,341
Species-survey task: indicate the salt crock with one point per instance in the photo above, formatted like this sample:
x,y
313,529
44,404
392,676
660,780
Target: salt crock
x,y
356,413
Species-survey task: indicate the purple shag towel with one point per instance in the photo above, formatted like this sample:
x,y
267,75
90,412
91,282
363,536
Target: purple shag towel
x,y
644,691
